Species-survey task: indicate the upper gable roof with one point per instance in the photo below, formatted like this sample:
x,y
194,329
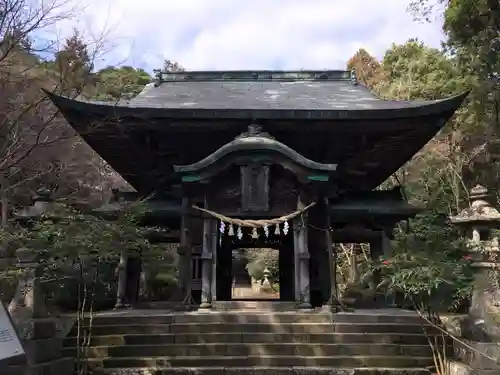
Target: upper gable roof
x,y
262,94
277,90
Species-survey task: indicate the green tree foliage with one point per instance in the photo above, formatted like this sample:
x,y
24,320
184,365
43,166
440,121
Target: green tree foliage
x,y
428,262
124,82
73,64
473,31
429,265
425,10
80,251
417,72
368,69
428,259
472,28
259,260
39,148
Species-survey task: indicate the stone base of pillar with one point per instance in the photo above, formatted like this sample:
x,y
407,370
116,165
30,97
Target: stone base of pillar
x,y
304,306
121,306
334,307
205,306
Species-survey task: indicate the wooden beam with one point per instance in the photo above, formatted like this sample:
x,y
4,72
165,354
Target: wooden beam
x,y
354,235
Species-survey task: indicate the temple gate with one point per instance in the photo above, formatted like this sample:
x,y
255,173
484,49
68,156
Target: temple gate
x,y
255,191
246,158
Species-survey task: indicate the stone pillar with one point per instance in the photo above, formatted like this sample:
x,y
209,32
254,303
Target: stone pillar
x,y
36,328
301,248
206,267
121,301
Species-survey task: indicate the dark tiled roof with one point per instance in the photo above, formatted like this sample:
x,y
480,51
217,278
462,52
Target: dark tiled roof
x,y
326,116
329,90
260,95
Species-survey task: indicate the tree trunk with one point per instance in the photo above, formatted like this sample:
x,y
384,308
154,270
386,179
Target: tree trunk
x,y
4,201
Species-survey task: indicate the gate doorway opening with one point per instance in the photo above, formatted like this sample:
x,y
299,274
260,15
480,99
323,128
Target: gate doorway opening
x,y
255,273
234,257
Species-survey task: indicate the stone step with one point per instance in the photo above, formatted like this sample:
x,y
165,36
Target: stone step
x,y
254,305
378,316
261,360
241,316
196,318
257,338
183,328
267,305
232,349
263,371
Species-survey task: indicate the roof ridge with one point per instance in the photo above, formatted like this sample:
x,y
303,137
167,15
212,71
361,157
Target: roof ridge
x,y
253,75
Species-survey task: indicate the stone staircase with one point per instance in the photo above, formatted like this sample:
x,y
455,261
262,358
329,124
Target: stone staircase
x,y
254,341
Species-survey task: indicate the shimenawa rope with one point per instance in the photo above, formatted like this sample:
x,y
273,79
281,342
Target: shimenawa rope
x,y
255,223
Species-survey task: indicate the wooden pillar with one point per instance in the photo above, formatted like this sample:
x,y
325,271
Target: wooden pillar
x,y
296,262
185,253
122,281
332,262
206,267
215,244
300,230
319,246
133,278
381,247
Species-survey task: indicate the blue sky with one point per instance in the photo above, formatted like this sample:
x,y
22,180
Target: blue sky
x,y
238,34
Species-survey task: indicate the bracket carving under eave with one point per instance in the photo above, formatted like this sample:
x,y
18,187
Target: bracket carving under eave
x,y
250,147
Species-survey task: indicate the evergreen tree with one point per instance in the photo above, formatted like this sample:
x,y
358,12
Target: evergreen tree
x,y
74,64
115,83
418,72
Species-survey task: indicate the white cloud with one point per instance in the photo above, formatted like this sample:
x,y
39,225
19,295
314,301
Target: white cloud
x,y
258,34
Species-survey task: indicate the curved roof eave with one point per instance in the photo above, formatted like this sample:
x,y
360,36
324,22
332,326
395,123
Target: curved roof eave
x,y
388,111
254,143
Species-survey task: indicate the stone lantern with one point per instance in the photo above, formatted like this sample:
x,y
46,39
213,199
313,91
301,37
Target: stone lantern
x,y
266,284
480,220
36,327
481,329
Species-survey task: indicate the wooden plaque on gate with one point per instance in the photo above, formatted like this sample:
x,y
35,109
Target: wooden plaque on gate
x,y
255,187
